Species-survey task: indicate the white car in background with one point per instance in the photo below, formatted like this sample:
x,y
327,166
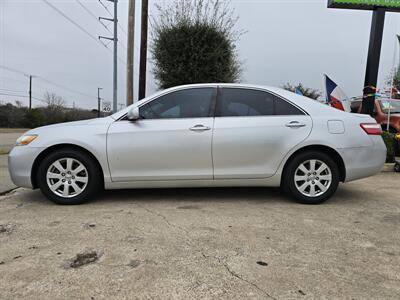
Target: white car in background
x,y
206,135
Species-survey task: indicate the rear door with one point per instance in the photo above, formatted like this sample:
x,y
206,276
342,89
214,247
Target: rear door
x,y
253,131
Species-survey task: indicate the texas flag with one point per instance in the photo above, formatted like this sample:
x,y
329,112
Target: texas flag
x,y
335,96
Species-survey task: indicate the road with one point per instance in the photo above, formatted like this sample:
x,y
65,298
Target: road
x,y
203,243
8,136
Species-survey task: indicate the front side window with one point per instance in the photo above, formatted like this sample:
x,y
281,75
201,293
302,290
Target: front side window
x,y
245,103
189,103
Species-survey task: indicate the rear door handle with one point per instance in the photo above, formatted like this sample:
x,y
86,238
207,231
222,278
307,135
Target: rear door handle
x,y
199,128
295,124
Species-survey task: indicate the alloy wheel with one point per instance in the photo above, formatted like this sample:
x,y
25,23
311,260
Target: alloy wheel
x,y
67,177
313,178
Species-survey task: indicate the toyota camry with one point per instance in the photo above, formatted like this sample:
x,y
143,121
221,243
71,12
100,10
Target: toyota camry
x,y
205,135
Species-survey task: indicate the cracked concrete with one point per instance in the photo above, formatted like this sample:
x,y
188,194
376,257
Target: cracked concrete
x,y
205,244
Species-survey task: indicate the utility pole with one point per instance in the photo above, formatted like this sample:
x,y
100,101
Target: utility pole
x,y
143,49
130,52
30,92
98,102
115,41
374,53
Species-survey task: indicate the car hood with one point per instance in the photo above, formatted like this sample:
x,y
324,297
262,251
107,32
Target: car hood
x,y
77,123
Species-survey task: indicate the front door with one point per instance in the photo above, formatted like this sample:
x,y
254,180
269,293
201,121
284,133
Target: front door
x,y
171,141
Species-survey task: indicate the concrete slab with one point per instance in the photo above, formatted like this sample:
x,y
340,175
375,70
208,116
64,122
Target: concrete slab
x,y
204,244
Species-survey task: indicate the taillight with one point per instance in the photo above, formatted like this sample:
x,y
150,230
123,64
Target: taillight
x,y
372,128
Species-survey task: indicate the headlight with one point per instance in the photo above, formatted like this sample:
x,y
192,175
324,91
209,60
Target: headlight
x,y
26,139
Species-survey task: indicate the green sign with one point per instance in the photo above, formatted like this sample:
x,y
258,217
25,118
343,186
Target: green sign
x,y
365,4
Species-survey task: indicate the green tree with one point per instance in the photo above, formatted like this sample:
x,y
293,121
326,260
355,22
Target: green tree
x,y
193,41
307,92
34,118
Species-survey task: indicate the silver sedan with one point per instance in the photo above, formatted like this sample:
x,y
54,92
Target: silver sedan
x,y
209,135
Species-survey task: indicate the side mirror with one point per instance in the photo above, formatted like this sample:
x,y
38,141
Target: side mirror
x,y
133,114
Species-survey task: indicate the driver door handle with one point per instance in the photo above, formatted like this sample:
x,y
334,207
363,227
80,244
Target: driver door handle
x,y
199,128
295,124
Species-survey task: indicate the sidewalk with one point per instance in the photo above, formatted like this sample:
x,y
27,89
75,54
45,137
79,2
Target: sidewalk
x,y
5,181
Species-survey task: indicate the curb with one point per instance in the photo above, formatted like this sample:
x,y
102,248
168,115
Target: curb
x,y
8,191
388,167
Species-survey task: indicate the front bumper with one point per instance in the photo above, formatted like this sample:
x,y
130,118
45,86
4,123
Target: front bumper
x,y
364,162
20,162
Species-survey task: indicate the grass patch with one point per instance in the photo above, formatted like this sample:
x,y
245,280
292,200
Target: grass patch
x,y
4,152
13,130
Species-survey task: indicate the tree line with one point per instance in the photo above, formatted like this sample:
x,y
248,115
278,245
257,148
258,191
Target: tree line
x,y
52,111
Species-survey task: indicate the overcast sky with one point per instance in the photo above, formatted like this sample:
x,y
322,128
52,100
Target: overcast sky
x,y
285,41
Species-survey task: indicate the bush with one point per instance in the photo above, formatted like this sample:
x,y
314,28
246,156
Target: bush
x,y
194,42
21,117
305,91
389,139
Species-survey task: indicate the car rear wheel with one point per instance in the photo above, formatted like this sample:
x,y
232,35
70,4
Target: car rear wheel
x,y
311,177
68,176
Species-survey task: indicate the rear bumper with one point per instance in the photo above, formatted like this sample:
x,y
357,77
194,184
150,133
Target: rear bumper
x,y
364,162
20,162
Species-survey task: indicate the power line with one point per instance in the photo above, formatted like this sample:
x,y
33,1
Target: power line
x,y
16,80
23,96
119,25
92,14
80,27
71,21
65,88
49,82
13,91
13,70
106,8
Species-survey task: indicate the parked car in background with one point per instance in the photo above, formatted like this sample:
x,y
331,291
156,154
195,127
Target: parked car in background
x,y
382,107
209,135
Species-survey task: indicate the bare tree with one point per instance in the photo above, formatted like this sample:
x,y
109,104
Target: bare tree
x,y
53,100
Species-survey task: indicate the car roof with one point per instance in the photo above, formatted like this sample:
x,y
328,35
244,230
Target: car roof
x,y
310,106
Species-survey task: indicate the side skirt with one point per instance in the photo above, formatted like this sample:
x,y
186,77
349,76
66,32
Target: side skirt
x,y
273,181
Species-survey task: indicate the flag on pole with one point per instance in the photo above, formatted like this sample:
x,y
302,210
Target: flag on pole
x,y
335,96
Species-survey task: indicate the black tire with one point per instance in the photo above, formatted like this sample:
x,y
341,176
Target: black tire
x,y
397,167
288,181
94,182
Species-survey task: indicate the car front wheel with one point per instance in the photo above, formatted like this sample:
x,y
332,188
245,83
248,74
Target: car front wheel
x,y
68,176
311,177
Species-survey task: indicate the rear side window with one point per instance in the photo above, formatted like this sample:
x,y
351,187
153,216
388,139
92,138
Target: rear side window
x,y
284,108
245,103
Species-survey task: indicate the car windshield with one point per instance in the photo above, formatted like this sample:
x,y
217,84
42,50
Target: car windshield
x,y
393,105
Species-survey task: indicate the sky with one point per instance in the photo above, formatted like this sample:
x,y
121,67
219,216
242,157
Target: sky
x,y
284,41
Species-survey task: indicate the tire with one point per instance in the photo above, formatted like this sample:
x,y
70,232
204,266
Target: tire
x,y
322,182
69,170
397,167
